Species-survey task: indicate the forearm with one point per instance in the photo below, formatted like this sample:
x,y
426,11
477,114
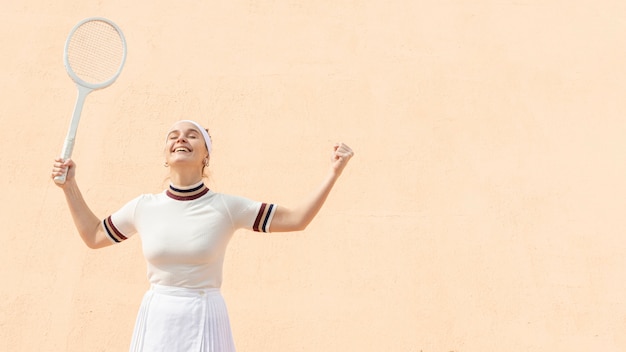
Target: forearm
x,y
299,217
310,207
86,222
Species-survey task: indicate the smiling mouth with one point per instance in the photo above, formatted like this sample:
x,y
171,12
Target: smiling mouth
x,y
183,150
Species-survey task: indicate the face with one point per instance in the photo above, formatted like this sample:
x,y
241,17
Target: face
x,y
185,145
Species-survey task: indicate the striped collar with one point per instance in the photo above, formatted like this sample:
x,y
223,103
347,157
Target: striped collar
x,y
187,193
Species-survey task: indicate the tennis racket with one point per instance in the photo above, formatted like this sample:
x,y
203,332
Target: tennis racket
x,y
94,55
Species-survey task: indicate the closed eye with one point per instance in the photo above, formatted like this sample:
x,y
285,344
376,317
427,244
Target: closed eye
x,y
191,134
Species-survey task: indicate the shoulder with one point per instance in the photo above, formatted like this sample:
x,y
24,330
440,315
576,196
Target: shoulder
x,y
148,198
230,198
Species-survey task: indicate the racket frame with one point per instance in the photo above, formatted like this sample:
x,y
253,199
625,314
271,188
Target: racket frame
x,y
84,88
68,67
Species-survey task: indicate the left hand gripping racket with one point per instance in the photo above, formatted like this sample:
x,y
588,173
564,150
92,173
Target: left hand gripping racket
x,y
94,55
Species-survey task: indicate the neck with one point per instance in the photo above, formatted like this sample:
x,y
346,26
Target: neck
x,y
184,179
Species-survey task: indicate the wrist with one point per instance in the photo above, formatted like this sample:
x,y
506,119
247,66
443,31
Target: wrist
x,y
69,186
333,175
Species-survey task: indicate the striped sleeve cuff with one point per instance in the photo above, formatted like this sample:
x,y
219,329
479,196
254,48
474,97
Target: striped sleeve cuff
x,y
264,218
112,232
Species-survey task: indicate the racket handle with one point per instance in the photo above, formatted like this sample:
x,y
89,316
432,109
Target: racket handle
x,y
68,146
60,179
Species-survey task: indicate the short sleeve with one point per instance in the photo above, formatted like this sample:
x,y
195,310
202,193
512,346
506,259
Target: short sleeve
x,y
120,225
249,214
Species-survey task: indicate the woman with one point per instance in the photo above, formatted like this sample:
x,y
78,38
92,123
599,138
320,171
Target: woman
x,y
184,232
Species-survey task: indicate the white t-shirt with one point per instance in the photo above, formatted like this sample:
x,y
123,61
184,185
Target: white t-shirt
x,y
184,237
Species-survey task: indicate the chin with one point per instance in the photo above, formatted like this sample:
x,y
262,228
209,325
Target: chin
x,y
183,161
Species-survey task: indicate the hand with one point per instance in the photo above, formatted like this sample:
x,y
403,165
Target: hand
x,y
59,168
340,157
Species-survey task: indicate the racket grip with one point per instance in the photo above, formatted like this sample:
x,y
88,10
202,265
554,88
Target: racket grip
x,y
60,179
68,146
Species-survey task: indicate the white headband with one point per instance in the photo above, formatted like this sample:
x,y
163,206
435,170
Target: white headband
x,y
205,134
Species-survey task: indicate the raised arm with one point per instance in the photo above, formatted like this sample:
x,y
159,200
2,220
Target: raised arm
x,y
298,218
86,222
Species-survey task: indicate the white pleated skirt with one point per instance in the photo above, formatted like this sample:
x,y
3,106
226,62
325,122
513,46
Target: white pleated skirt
x,y
175,319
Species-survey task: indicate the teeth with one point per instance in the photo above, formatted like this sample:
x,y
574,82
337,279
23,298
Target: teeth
x,y
181,150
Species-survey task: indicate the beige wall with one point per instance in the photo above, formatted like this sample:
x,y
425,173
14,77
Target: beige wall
x,y
482,212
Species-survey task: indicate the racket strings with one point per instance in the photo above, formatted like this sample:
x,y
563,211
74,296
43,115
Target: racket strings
x,y
95,52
